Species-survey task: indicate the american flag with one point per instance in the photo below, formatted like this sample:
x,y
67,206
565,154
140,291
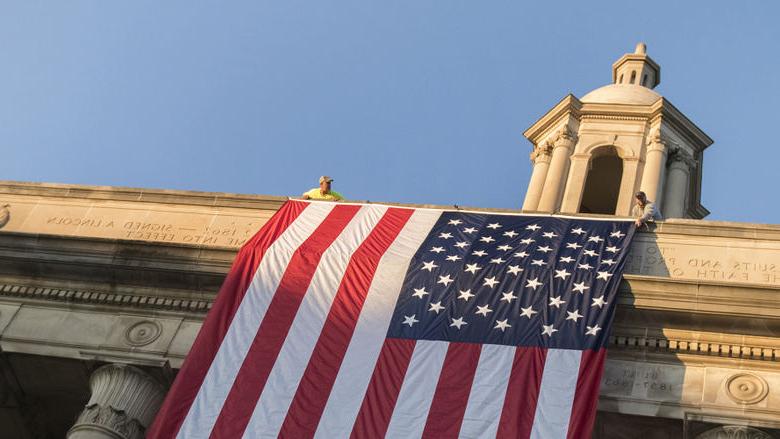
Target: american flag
x,y
369,321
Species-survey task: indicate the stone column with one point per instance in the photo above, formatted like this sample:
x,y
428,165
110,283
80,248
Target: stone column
x,y
677,181
559,168
541,160
123,404
655,167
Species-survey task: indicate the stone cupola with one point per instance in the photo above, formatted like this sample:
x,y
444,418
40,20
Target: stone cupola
x,y
591,155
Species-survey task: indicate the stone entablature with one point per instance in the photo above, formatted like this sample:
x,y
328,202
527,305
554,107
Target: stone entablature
x,y
77,294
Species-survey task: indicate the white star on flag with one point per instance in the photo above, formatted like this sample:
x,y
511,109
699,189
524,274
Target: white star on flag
x,y
521,254
493,226
595,239
469,230
490,282
533,283
508,297
527,312
589,253
502,325
562,274
453,258
436,307
592,330
609,262
603,275
420,292
556,301
437,249
455,222
527,241
504,247
598,301
548,330
573,245
462,244
465,295
410,320
514,269
484,310
574,315
446,280
472,268
618,234
487,239
458,322
566,259
578,231
611,249
533,227
580,288
544,249
549,235
585,266
479,253
538,262
497,261
429,266
445,235
511,233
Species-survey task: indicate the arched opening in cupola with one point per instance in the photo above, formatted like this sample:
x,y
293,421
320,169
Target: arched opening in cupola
x,y
602,185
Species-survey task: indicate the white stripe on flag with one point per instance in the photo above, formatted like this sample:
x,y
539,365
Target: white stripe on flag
x,y
417,390
360,359
556,394
279,390
219,379
486,400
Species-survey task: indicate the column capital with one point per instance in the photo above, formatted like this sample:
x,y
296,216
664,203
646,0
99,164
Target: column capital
x,y
565,137
657,142
734,432
542,153
681,159
123,404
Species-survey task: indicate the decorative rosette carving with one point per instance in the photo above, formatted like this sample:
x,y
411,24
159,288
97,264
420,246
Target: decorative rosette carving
x,y
746,388
143,333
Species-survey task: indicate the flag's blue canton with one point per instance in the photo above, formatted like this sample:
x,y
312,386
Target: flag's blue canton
x,y
514,280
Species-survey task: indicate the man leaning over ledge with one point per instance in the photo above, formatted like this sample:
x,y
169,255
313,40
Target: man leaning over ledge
x,y
323,192
645,210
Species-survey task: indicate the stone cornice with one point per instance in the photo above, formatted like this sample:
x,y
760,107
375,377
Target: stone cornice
x,y
568,106
116,193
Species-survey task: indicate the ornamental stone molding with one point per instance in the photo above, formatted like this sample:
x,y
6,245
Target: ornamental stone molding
x,y
565,136
143,333
734,432
5,215
680,156
123,404
746,388
542,152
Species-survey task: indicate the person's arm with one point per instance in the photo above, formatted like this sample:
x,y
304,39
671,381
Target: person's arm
x,y
648,213
305,195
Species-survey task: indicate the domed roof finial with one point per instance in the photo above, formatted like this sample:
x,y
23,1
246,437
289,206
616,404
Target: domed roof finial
x,y
636,69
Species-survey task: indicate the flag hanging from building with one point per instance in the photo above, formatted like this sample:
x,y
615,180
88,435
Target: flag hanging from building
x,y
370,321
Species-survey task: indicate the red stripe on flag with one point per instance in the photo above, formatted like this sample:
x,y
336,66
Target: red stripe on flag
x,y
323,367
188,381
259,361
586,397
522,393
383,389
452,391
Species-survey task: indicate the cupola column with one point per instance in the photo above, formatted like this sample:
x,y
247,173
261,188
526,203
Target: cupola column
x,y
680,165
559,168
655,167
123,404
541,160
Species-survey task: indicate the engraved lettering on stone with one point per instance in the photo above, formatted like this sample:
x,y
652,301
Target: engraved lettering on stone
x,y
143,333
5,215
746,388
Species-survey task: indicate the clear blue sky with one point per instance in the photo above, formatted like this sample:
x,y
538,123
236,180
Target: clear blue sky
x,y
405,101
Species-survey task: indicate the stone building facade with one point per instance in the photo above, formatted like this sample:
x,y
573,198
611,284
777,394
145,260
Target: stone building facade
x,y
103,289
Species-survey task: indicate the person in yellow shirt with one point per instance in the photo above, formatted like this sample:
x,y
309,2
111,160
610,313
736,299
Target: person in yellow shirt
x,y
323,192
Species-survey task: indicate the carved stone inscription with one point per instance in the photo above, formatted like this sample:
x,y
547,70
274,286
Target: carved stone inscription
x,y
704,260
645,381
200,227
